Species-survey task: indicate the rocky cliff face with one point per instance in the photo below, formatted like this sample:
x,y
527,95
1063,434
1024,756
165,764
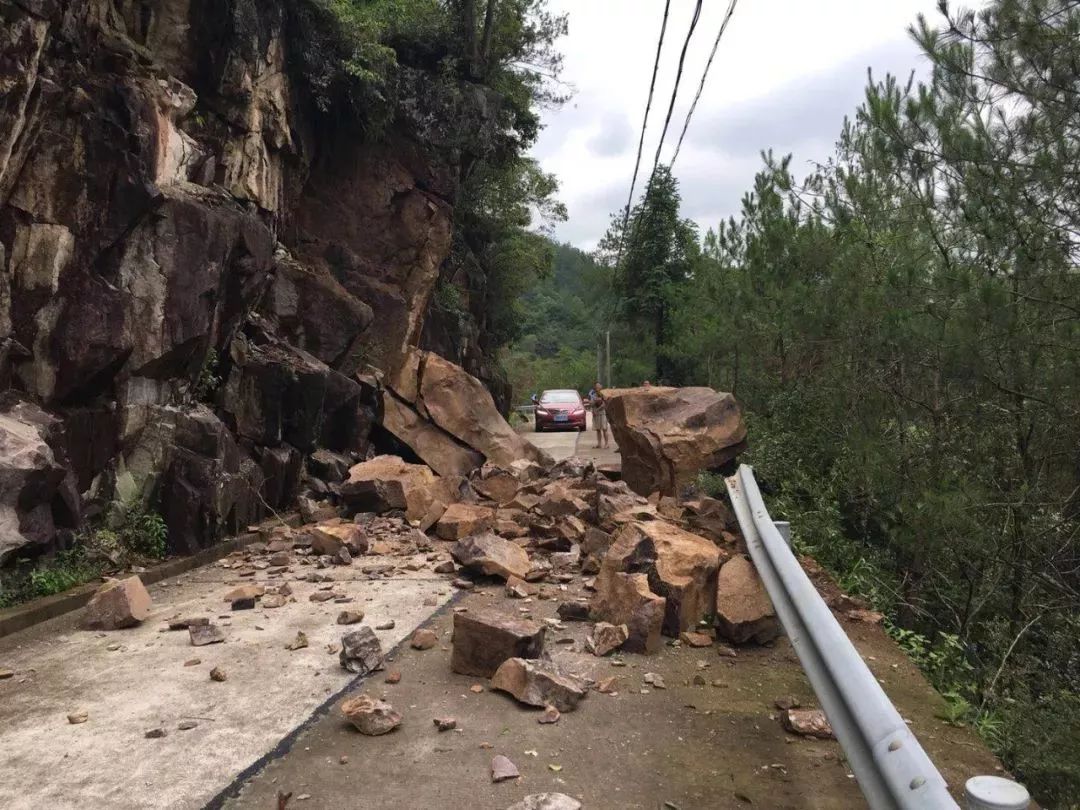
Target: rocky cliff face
x,y
196,262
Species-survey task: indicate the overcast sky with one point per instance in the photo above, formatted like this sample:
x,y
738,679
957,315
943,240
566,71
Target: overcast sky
x,y
786,74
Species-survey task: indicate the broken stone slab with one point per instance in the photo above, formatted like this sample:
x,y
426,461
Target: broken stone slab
x,y
371,716
484,639
607,638
560,500
462,519
666,436
490,555
274,600
681,567
245,592
387,483
117,604
623,598
350,617
808,723
538,683
547,801
503,769
330,536
693,639
495,483
361,652
203,634
744,611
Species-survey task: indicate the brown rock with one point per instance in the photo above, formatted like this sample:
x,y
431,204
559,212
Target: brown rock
x,y
387,482
460,584
595,542
808,723
117,604
537,683
434,446
744,611
496,483
423,639
519,588
273,600
446,567
322,596
607,638
560,500
696,639
607,686
350,617
185,623
331,536
551,715
245,592
361,652
462,519
281,559
573,611
392,677
489,554
626,599
298,643
485,639
666,436
680,567
75,718
218,674
503,769
445,723
6,673
371,716
203,634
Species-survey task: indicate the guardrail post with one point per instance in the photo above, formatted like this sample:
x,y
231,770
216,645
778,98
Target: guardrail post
x,y
784,527
995,793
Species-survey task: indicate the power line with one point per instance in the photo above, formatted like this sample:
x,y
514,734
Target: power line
x,y
697,96
644,123
678,78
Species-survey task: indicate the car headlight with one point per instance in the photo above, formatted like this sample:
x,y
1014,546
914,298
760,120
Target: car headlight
x,y
541,412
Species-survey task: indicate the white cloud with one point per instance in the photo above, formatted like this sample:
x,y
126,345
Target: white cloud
x,y
786,74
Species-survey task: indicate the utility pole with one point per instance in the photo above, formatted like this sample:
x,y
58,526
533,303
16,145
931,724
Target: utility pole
x,y
607,335
599,359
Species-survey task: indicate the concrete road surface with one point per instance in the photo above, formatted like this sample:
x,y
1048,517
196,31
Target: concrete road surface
x,y
563,444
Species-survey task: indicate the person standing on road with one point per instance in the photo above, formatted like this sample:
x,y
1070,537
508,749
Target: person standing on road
x,y
598,406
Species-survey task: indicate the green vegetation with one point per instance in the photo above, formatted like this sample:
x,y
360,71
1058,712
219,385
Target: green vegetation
x,y
902,328
137,537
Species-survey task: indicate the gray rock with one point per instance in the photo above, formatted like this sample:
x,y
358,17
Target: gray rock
x,y
361,652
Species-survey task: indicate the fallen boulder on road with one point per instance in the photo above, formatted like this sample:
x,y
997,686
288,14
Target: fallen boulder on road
x,y
666,436
371,716
626,599
388,482
679,566
744,611
117,604
538,684
490,555
484,640
361,652
462,519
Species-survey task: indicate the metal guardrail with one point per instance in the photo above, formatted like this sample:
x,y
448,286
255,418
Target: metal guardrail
x,y
893,771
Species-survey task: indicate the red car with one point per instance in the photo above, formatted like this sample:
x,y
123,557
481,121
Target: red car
x,y
562,409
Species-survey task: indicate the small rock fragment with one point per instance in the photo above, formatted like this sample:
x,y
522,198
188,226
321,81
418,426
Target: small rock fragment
x,y
218,674
155,734
476,689
693,639
184,624
607,638
655,680
274,600
547,801
574,611
203,634
192,662
78,717
550,715
447,567
808,723
187,725
6,673
423,639
445,723
537,683
786,702
503,769
463,584
607,686
247,603
393,677
299,642
370,716
385,625
361,652
350,617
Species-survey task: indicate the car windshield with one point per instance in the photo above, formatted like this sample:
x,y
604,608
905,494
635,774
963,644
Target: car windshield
x,y
559,398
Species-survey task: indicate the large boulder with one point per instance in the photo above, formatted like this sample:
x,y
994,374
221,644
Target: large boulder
x,y
462,519
744,611
483,640
437,448
388,482
459,404
666,436
117,604
679,566
538,683
490,555
625,599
